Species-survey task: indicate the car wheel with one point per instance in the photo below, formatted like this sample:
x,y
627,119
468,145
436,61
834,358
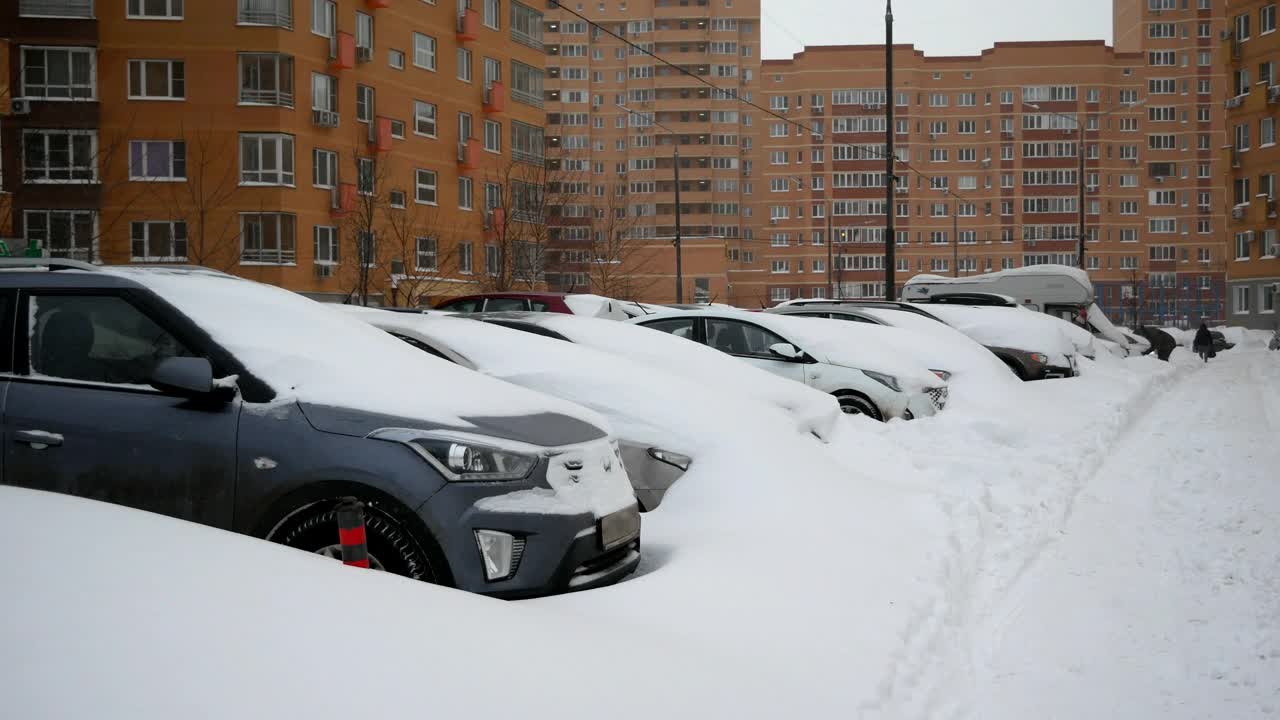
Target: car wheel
x,y
851,404
392,547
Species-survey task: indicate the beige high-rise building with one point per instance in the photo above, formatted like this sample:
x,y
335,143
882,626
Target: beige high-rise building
x,y
617,118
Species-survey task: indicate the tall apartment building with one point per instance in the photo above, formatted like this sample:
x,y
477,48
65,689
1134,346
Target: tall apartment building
x,y
335,147
1186,270
619,219
988,168
1249,55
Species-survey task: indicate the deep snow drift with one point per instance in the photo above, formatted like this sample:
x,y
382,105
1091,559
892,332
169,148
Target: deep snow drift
x,y
1005,558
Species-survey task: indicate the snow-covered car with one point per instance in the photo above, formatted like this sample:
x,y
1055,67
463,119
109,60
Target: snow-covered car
x,y
567,303
947,352
1012,333
868,377
810,411
249,408
660,429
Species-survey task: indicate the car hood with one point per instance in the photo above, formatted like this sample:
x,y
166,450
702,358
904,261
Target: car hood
x,y
548,429
910,377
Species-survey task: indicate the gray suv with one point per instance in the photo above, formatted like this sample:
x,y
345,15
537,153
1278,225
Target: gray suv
x,y
213,399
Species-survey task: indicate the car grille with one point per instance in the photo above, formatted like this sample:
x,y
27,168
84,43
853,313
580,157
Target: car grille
x,y
938,396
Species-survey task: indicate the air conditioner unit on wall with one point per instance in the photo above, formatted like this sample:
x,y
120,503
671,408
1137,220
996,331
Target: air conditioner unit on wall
x,y
19,106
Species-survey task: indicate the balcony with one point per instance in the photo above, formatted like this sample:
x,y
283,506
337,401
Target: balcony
x,y
56,8
495,98
268,13
344,200
524,38
494,220
468,25
526,97
380,135
254,96
469,154
343,55
377,4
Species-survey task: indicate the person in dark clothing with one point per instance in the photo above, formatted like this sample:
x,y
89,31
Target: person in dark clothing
x,y
1203,344
1161,342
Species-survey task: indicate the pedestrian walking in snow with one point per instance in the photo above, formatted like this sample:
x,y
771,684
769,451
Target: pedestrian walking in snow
x,y
1203,344
1162,344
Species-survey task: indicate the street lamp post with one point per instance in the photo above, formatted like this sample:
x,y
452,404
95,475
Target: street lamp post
x,y
675,158
1080,180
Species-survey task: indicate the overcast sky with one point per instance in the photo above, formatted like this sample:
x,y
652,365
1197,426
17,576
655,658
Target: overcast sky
x,y
938,27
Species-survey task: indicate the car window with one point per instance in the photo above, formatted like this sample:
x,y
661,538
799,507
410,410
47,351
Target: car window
x,y
501,304
462,306
853,318
539,306
680,327
740,338
6,333
812,314
97,338
421,346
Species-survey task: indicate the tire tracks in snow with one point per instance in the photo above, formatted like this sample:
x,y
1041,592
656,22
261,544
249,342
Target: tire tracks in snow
x,y
932,676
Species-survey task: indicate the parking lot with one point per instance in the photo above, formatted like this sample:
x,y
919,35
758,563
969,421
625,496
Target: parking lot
x,y
1016,540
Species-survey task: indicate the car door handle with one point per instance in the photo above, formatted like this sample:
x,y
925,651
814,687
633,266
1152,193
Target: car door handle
x,y
38,439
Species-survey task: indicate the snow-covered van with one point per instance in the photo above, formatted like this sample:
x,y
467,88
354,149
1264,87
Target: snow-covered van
x,y
1058,290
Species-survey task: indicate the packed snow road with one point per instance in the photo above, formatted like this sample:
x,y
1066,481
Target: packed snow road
x,y
1161,598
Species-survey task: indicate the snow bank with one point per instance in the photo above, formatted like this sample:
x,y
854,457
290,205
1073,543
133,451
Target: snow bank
x,y
305,351
116,613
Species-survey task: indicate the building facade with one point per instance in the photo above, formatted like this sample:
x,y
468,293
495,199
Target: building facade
x,y
989,172
389,150
1249,55
618,122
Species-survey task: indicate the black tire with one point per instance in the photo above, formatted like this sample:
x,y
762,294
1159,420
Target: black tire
x,y
392,546
852,404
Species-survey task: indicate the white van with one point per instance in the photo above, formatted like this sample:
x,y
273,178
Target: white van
x,y
1058,290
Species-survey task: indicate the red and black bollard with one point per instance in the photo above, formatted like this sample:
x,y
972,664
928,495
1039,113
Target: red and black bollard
x,y
355,550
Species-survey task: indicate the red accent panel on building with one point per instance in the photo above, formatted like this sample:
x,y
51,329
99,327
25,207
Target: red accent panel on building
x,y
344,199
345,52
495,98
468,25
469,154
381,141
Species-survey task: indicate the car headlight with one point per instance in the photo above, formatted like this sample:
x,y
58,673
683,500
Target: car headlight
x,y
671,458
888,381
1040,358
942,374
464,458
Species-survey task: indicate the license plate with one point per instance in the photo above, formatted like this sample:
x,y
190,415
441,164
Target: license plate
x,y
617,528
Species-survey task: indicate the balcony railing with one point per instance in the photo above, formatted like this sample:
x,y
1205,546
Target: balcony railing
x,y
535,158
266,97
526,97
526,39
268,256
258,13
56,8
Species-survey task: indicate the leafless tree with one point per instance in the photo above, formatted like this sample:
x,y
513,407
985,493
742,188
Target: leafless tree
x,y
416,254
202,201
519,224
620,264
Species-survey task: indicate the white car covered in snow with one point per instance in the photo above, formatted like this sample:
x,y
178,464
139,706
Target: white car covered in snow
x,y
1045,338
866,378
662,420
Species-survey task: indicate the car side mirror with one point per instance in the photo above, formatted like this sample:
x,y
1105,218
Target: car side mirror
x,y
786,351
184,376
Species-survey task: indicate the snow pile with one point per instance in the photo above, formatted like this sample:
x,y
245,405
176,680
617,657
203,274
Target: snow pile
x,y
594,306
1015,328
115,613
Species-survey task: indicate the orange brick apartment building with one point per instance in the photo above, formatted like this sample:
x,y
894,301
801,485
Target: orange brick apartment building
x,y
336,147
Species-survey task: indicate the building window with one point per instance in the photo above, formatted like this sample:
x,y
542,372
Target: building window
x,y
493,136
465,251
424,187
323,18
267,79
59,156
324,93
1267,132
1240,295
1267,19
366,180
424,51
464,193
1242,245
526,25
157,80
157,160
155,9
492,260
266,159
424,118
324,172
425,255
1242,26
364,35
526,84
274,13
779,294
395,58
526,143
1270,243
267,239
326,244
55,73
364,103
492,12
158,241
67,234
464,64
